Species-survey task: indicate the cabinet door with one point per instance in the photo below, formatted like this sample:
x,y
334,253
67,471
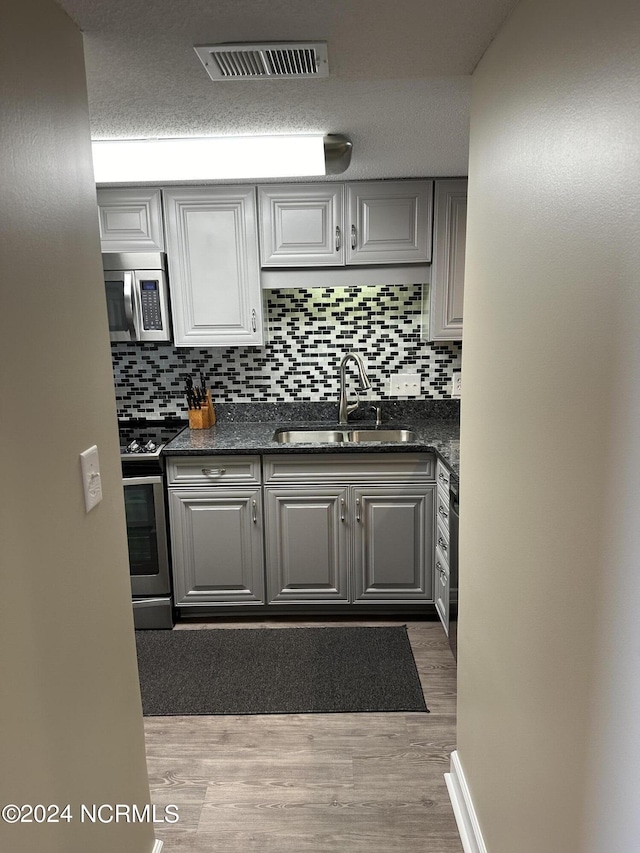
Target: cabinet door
x,y
447,271
212,250
130,220
306,545
389,222
216,546
393,543
301,225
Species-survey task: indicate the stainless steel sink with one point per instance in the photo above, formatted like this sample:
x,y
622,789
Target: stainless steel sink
x,y
310,436
386,435
334,436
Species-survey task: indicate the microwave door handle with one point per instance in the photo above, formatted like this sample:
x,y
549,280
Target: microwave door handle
x,y
128,303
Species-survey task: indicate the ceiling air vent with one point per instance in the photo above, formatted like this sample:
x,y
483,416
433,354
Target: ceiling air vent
x,y
264,61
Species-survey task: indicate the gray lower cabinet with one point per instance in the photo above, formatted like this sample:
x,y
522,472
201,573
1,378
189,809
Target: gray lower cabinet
x,y
393,543
370,543
215,512
306,544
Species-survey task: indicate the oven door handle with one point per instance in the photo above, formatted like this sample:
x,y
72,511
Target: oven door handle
x,y
141,481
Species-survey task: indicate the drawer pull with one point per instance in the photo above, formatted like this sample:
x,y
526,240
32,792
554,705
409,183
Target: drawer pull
x,y
214,472
358,510
255,512
442,511
354,237
337,238
442,478
442,544
341,509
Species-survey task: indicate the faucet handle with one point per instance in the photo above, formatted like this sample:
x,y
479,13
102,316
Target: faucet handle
x,y
378,410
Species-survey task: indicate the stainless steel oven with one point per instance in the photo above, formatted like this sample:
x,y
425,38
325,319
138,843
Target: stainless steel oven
x,y
141,444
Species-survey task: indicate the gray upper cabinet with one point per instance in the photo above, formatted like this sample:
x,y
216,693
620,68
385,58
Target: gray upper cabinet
x,y
301,225
447,272
214,273
130,220
389,222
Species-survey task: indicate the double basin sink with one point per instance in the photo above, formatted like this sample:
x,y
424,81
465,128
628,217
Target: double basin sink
x,y
342,436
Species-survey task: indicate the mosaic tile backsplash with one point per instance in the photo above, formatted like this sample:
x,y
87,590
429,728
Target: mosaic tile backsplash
x,y
308,332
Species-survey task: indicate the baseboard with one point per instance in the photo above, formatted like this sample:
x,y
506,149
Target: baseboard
x,y
157,847
468,826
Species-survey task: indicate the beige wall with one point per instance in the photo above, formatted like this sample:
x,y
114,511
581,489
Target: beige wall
x,y
549,682
71,724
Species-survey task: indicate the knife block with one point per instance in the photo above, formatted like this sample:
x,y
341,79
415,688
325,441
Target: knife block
x,y
199,418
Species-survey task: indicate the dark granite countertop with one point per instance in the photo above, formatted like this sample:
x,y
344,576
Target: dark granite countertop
x,y
234,434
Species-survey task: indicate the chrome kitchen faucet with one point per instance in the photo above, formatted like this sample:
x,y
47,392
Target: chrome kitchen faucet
x,y
365,385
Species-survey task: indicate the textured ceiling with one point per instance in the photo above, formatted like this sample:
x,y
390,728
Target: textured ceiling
x,y
399,82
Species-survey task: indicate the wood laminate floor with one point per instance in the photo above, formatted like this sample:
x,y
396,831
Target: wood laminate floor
x,y
312,783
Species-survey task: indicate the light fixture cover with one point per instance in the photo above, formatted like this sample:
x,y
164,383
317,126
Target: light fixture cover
x,y
121,161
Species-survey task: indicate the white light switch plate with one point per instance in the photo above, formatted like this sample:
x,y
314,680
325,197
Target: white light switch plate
x,y
405,385
456,383
91,481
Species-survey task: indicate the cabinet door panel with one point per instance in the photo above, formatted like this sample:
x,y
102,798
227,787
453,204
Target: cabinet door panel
x,y
393,543
130,220
447,273
212,250
216,546
306,545
389,222
301,225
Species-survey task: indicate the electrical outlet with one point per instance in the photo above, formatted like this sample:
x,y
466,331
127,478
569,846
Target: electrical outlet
x,y
456,383
405,385
91,482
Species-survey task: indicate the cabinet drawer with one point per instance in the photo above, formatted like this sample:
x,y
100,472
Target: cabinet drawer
x,y
442,509
349,468
443,477
442,592
213,470
442,539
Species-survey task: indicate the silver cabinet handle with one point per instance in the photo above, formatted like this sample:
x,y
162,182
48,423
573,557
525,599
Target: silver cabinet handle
x,y
442,478
254,320
214,472
354,237
255,512
442,512
358,510
341,509
442,544
337,238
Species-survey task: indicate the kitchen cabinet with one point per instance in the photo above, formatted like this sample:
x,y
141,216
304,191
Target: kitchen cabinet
x,y
214,275
215,512
370,222
393,538
130,220
306,544
301,225
352,529
442,574
446,291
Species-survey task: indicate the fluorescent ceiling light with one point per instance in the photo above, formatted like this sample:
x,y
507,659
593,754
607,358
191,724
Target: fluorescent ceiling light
x,y
209,158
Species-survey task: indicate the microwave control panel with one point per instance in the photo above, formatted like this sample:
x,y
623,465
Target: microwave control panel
x,y
151,310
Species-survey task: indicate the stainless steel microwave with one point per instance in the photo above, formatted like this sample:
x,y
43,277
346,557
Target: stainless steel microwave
x,y
137,296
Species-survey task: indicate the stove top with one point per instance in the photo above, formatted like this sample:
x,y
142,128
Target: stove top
x,y
144,439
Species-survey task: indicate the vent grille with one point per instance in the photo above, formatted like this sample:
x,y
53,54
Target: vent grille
x,y
264,61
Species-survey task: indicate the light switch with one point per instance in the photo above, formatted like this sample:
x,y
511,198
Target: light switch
x,y
91,481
